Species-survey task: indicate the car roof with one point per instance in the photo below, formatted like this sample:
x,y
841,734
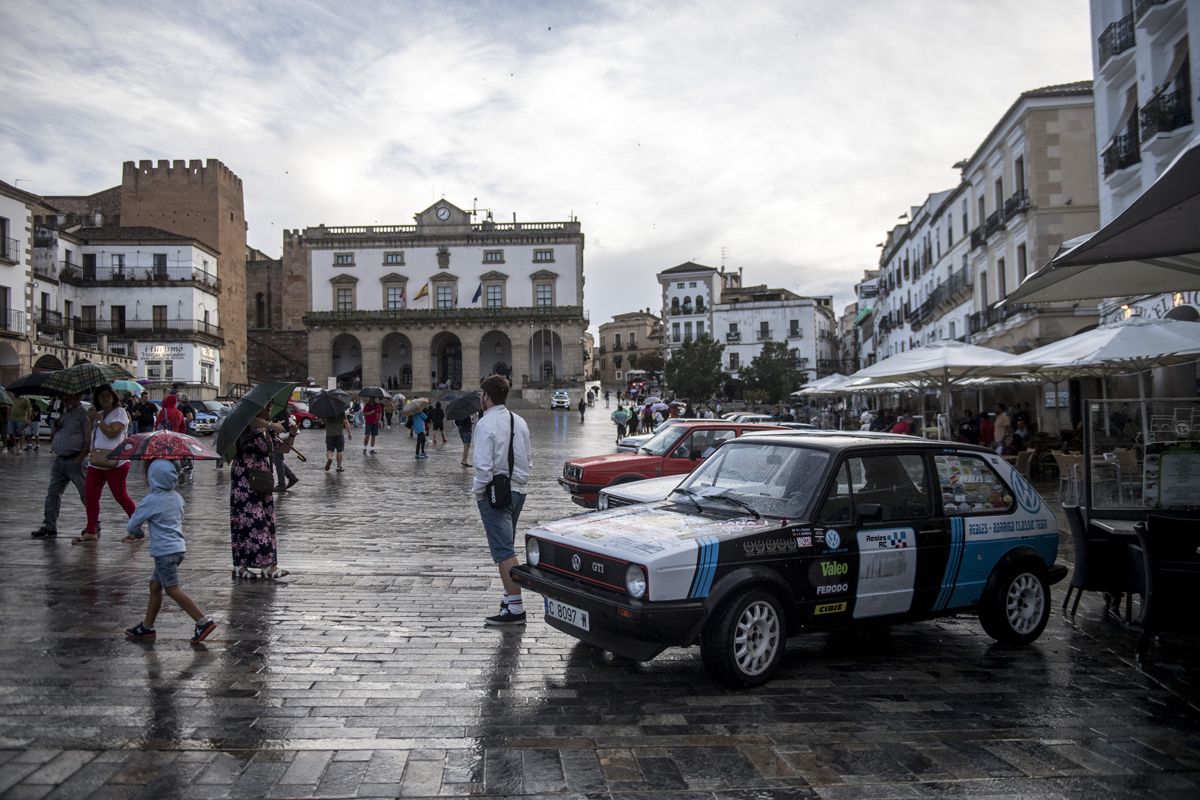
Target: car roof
x,y
845,440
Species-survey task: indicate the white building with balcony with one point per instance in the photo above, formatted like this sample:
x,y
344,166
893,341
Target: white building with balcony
x,y
1144,54
689,292
747,318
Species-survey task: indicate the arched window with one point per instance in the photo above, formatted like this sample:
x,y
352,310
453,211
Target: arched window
x,y
699,304
674,305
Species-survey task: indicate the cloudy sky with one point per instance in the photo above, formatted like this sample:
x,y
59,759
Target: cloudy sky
x,y
784,137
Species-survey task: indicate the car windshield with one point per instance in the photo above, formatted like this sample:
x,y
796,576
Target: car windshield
x,y
772,479
664,440
299,406
666,423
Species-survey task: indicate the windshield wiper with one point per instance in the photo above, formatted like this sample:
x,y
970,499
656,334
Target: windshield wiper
x,y
690,495
739,503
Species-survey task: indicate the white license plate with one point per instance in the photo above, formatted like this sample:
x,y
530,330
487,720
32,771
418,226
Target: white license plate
x,y
568,614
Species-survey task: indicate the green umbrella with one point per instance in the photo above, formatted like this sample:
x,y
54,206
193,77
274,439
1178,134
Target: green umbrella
x,y
275,395
40,402
82,378
128,386
5,399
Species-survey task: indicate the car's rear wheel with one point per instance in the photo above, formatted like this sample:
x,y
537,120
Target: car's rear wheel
x,y
1016,603
742,643
306,423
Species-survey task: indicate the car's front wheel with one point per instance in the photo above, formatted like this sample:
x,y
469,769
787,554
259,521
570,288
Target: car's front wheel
x,y
306,423
742,642
1016,603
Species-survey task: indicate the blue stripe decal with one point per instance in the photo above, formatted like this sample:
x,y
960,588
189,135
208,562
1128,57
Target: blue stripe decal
x,y
953,560
710,573
941,598
962,553
706,566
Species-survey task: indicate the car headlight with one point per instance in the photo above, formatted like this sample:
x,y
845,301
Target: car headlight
x,y
635,581
602,503
533,552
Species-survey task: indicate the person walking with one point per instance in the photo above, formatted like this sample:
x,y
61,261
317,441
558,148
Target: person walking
x,y
284,477
437,422
464,434
70,437
34,429
389,408
252,515
418,425
582,408
18,420
607,393
631,424
170,418
1001,425
620,417
109,425
501,449
337,431
372,414
145,412
162,511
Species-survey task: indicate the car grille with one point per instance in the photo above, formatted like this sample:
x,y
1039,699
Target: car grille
x,y
573,472
614,502
587,567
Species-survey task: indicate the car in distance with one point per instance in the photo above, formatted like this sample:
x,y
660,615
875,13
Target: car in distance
x,y
304,418
560,399
676,450
781,534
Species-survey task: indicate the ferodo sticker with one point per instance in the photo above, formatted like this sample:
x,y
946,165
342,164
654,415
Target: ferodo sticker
x,y
887,572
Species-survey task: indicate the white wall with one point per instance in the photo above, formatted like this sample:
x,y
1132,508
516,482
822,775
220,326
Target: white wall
x,y
420,264
15,276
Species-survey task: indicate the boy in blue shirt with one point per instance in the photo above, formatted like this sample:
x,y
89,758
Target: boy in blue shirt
x,y
163,510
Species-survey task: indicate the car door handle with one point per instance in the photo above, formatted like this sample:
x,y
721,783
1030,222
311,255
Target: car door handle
x,y
930,531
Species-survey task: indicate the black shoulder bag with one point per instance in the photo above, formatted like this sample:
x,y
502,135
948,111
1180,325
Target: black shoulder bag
x,y
499,488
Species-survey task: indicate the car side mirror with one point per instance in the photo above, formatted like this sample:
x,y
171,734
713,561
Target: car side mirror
x,y
869,512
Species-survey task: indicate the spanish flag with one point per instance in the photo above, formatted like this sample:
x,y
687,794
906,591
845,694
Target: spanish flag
x,y
423,293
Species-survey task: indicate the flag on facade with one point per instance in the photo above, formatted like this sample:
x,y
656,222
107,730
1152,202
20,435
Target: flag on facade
x,y
423,293
478,292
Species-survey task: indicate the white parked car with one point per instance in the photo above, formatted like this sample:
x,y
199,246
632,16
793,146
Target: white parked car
x,y
560,399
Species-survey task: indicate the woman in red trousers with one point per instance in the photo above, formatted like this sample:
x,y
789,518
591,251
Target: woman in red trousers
x,y
110,425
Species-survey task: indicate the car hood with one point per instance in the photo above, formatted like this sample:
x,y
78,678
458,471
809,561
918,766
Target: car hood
x,y
614,460
636,532
648,491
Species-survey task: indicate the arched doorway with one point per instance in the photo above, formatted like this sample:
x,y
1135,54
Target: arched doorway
x,y
495,354
48,363
10,364
546,357
396,361
446,352
347,361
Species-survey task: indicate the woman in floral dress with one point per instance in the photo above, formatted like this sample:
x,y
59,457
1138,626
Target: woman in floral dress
x,y
252,516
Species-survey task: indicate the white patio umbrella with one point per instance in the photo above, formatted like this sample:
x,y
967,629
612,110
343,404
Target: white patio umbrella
x,y
1152,247
827,385
941,365
1133,345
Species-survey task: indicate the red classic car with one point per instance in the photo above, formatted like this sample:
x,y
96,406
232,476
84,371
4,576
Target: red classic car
x,y
675,450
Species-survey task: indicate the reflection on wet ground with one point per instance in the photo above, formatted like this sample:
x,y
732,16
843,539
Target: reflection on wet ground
x,y
368,673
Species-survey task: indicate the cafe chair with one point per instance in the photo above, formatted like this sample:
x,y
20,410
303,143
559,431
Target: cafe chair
x,y
1069,477
1094,569
1024,459
1170,548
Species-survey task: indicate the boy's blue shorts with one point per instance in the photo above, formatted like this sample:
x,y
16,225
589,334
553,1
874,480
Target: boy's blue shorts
x,y
166,569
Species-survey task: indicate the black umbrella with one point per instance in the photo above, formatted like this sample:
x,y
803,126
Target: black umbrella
x,y
463,406
330,404
34,383
374,391
275,395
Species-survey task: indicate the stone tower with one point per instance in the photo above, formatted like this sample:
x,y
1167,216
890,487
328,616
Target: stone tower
x,y
202,200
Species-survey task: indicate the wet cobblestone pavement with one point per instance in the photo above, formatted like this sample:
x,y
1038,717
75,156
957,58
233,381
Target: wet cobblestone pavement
x,y
368,673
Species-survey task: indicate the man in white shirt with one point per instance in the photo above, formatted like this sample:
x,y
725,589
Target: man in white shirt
x,y
498,427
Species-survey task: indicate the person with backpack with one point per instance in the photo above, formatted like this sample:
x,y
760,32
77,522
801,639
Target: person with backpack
x,y
620,417
170,418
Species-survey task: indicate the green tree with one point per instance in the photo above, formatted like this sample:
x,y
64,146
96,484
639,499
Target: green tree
x,y
651,362
773,372
694,371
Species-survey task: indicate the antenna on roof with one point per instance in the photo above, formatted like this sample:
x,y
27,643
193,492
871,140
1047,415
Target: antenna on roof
x,y
724,255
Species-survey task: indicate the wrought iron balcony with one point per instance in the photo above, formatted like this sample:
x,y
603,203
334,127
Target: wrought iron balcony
x,y
993,224
1166,112
49,321
978,239
1142,7
79,275
1116,39
764,334
1018,203
12,321
733,336
147,328
1123,151
9,249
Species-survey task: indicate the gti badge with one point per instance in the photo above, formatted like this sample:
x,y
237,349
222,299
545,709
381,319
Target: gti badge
x,y
576,562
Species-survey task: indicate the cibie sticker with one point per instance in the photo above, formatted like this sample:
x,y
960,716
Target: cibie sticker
x,y
833,539
829,608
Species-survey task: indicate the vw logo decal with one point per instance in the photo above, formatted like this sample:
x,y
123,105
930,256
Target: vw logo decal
x,y
576,562
833,539
1027,496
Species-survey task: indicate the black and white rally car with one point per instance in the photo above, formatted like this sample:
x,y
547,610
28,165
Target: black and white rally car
x,y
777,534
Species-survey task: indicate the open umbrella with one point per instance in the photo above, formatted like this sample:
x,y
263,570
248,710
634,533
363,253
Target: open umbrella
x,y
273,395
413,406
660,407
39,401
5,398
162,444
651,400
330,404
132,387
33,383
373,391
81,378
463,406
1152,247
830,384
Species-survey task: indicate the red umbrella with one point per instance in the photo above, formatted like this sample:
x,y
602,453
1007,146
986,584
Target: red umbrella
x,y
162,444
